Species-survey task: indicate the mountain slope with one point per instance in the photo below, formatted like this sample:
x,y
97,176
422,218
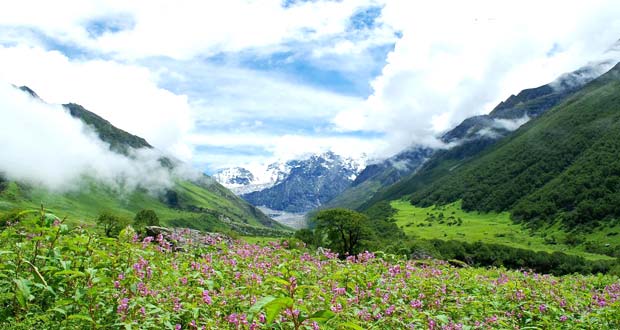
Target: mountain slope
x,y
119,140
310,183
379,175
475,135
563,165
200,202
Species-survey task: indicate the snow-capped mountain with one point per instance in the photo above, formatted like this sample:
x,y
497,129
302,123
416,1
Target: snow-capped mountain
x,y
295,185
242,180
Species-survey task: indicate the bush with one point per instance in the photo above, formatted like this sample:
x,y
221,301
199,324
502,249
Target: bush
x,y
145,218
112,224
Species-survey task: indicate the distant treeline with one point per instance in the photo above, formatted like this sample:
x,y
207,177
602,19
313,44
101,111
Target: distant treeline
x,y
484,254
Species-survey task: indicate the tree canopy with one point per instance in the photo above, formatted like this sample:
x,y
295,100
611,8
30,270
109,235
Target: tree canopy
x,y
345,229
145,218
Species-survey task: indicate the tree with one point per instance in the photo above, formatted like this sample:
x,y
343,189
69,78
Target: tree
x,y
112,224
145,218
308,236
345,229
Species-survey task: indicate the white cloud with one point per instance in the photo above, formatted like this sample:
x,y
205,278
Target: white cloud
x,y
458,59
454,60
126,95
185,29
43,144
233,95
284,147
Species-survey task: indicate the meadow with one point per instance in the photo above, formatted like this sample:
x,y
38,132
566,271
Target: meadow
x,y
53,276
450,222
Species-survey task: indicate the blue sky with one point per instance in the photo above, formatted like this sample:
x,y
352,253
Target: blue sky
x,y
227,83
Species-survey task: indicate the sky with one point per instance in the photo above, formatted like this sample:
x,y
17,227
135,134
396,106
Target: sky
x,y
236,82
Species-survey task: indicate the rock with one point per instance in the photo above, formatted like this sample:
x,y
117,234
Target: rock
x,y
181,238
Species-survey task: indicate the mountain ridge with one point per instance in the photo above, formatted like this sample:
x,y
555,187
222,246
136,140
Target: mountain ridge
x,y
199,202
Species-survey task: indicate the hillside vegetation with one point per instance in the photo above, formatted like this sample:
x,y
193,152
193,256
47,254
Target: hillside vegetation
x,y
560,166
203,205
477,134
450,222
199,203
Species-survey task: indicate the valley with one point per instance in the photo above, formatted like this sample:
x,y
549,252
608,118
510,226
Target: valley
x,y
309,165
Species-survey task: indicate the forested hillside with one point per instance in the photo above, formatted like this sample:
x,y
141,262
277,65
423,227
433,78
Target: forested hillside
x,y
563,165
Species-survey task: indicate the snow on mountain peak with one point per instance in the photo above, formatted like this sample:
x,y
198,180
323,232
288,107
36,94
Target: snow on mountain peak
x,y
256,177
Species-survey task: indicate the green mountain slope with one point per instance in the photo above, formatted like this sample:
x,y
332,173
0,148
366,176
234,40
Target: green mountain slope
x,y
476,134
200,203
380,175
561,166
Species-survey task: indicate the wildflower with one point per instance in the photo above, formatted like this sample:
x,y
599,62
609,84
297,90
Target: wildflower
x,y
542,308
233,318
337,308
206,298
417,304
339,291
123,306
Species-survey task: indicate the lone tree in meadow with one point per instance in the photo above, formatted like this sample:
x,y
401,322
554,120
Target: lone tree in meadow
x,y
145,218
112,224
345,229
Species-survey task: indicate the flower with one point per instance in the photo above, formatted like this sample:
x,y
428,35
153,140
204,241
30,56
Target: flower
x,y
206,297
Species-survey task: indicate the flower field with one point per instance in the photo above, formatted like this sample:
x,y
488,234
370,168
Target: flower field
x,y
53,277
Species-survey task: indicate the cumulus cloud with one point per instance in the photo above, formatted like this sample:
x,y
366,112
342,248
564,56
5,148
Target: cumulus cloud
x,y
282,147
126,95
43,145
182,30
458,59
151,67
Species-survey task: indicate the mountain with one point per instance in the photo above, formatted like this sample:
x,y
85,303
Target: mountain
x,y
379,175
295,186
200,202
562,166
243,181
529,103
119,140
475,135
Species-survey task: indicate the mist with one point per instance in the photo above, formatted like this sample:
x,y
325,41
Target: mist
x,y
43,145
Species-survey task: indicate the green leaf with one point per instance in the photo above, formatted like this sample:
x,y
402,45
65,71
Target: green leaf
x,y
322,316
72,273
279,281
274,307
22,291
443,319
350,325
258,306
81,317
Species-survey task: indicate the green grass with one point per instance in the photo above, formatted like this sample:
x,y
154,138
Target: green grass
x,y
489,227
260,240
218,209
